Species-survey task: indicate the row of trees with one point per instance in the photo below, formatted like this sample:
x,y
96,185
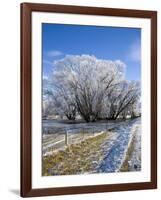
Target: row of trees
x,y
90,87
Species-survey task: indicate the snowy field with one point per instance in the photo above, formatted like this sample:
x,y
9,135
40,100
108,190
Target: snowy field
x,y
113,150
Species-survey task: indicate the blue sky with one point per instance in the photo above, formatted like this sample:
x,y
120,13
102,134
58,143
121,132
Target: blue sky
x,y
109,43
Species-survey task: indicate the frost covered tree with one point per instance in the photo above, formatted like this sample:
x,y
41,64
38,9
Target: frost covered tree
x,y
92,88
57,102
121,99
47,106
64,105
86,80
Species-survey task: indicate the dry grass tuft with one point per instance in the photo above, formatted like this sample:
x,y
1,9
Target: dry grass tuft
x,y
125,165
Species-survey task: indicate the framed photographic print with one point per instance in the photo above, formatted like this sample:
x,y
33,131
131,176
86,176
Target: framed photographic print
x,y
88,99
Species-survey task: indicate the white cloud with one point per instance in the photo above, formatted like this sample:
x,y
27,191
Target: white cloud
x,y
54,53
47,62
45,77
135,52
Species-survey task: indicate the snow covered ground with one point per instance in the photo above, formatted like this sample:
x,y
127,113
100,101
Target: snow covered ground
x,y
135,161
113,150
116,147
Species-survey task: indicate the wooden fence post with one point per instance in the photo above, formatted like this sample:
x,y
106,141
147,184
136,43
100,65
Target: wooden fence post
x,y
106,127
83,133
66,138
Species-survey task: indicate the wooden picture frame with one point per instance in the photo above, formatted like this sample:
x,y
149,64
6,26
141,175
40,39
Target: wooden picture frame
x,y
26,99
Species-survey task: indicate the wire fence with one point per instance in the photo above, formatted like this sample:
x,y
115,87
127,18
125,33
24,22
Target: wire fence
x,y
53,140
